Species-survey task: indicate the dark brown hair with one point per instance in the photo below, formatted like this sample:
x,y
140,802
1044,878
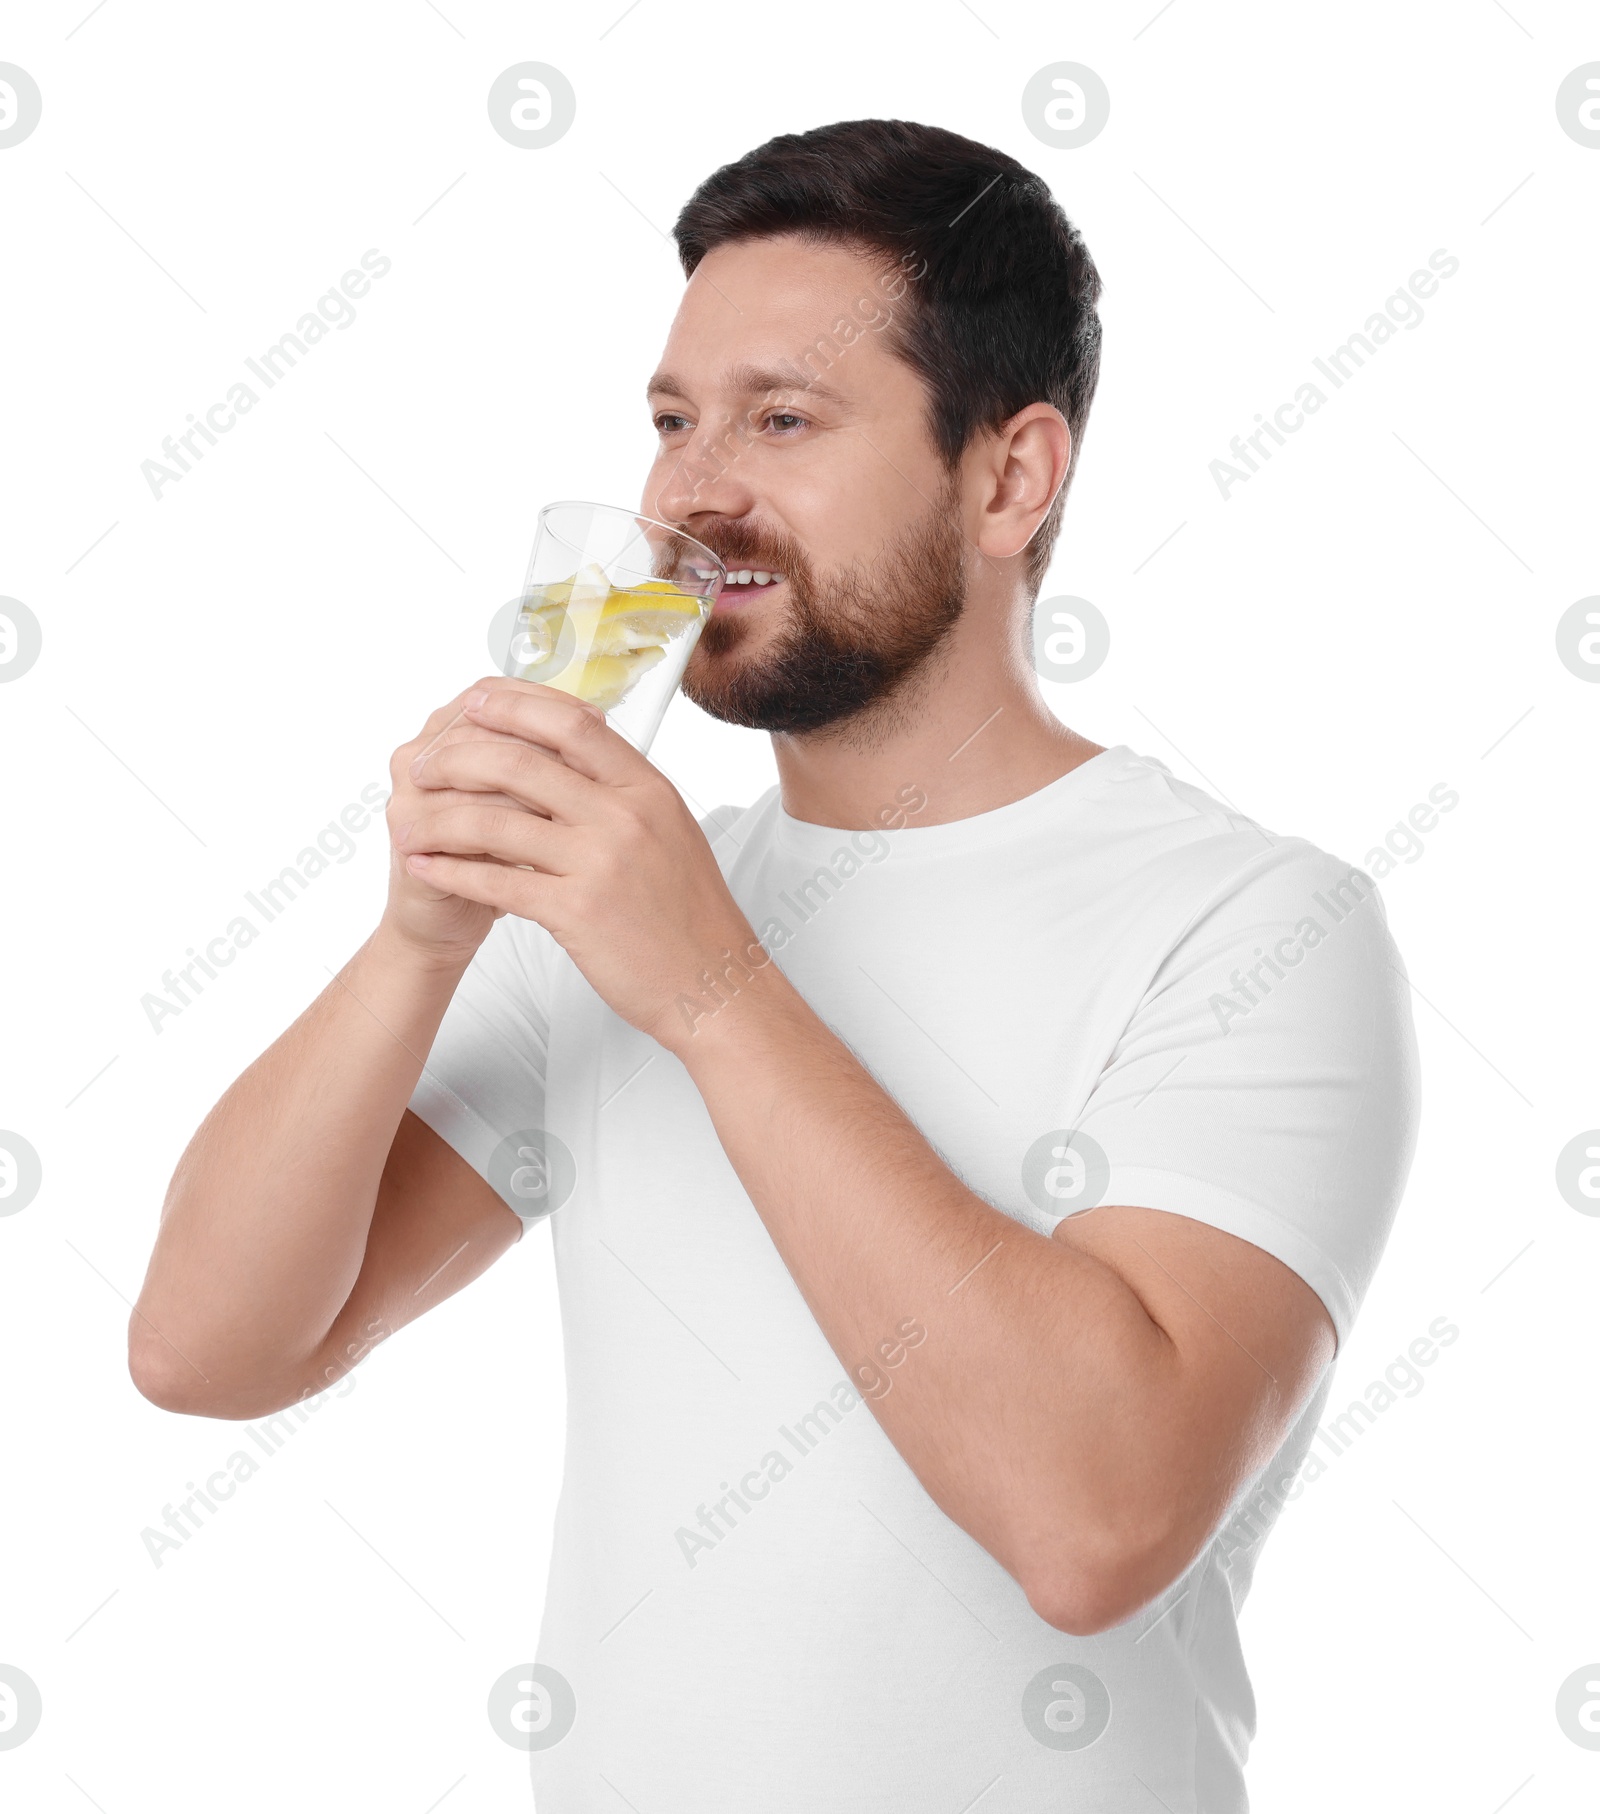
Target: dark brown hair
x,y
1001,312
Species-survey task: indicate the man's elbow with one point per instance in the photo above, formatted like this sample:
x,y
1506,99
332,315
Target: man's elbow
x,y
170,1381
1081,1608
1096,1589
167,1387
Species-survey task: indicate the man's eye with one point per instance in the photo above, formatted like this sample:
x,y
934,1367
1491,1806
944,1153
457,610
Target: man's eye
x,y
786,421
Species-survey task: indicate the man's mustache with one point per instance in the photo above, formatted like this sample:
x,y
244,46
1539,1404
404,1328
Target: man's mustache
x,y
736,551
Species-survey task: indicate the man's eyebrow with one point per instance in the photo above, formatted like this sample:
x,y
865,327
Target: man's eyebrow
x,y
754,381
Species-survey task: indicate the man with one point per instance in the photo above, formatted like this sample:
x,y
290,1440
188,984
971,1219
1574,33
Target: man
x,y
963,1163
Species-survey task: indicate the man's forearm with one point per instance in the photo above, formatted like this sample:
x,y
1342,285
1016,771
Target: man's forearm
x,y
267,1217
1027,1410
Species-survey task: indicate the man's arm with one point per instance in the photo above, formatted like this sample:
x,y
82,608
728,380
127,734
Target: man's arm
x,y
312,1214
1084,1406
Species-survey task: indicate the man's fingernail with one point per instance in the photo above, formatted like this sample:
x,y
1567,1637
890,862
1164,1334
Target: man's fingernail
x,y
416,765
402,831
474,701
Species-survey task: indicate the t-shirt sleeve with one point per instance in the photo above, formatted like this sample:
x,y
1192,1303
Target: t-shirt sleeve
x,y
484,1079
1267,1083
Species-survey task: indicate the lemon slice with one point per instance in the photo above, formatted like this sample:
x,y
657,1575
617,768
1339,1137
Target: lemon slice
x,y
613,635
652,609
606,680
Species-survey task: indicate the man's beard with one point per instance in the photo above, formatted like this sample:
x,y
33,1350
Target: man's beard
x,y
848,642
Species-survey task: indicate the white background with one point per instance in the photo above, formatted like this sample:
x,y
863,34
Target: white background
x,y
225,668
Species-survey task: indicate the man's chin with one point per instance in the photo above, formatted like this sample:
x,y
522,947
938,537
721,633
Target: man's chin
x,y
736,695
730,705
777,704
723,675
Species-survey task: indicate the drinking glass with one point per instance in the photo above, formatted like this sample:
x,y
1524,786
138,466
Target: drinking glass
x,y
612,606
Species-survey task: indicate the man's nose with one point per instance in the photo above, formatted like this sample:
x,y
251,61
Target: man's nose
x,y
704,476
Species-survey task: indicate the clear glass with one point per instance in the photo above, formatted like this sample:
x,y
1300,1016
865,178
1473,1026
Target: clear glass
x,y
613,604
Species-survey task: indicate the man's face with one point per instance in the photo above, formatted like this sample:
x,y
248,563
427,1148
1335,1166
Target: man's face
x,y
833,486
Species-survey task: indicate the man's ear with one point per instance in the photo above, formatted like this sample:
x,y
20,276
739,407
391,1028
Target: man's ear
x,y
1031,455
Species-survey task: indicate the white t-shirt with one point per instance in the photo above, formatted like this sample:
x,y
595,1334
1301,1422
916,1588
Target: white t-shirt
x,y
752,1600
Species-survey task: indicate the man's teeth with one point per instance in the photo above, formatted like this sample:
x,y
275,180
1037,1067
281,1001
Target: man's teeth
x,y
743,576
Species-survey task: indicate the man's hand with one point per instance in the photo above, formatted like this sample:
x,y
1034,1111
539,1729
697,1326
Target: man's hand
x,y
595,845
433,921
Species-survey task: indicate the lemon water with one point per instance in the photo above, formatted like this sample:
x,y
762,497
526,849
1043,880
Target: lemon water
x,y
595,640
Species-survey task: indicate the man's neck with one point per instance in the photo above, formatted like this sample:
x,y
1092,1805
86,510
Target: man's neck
x,y
970,732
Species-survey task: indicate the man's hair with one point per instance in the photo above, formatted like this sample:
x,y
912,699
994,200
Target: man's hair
x,y
999,304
